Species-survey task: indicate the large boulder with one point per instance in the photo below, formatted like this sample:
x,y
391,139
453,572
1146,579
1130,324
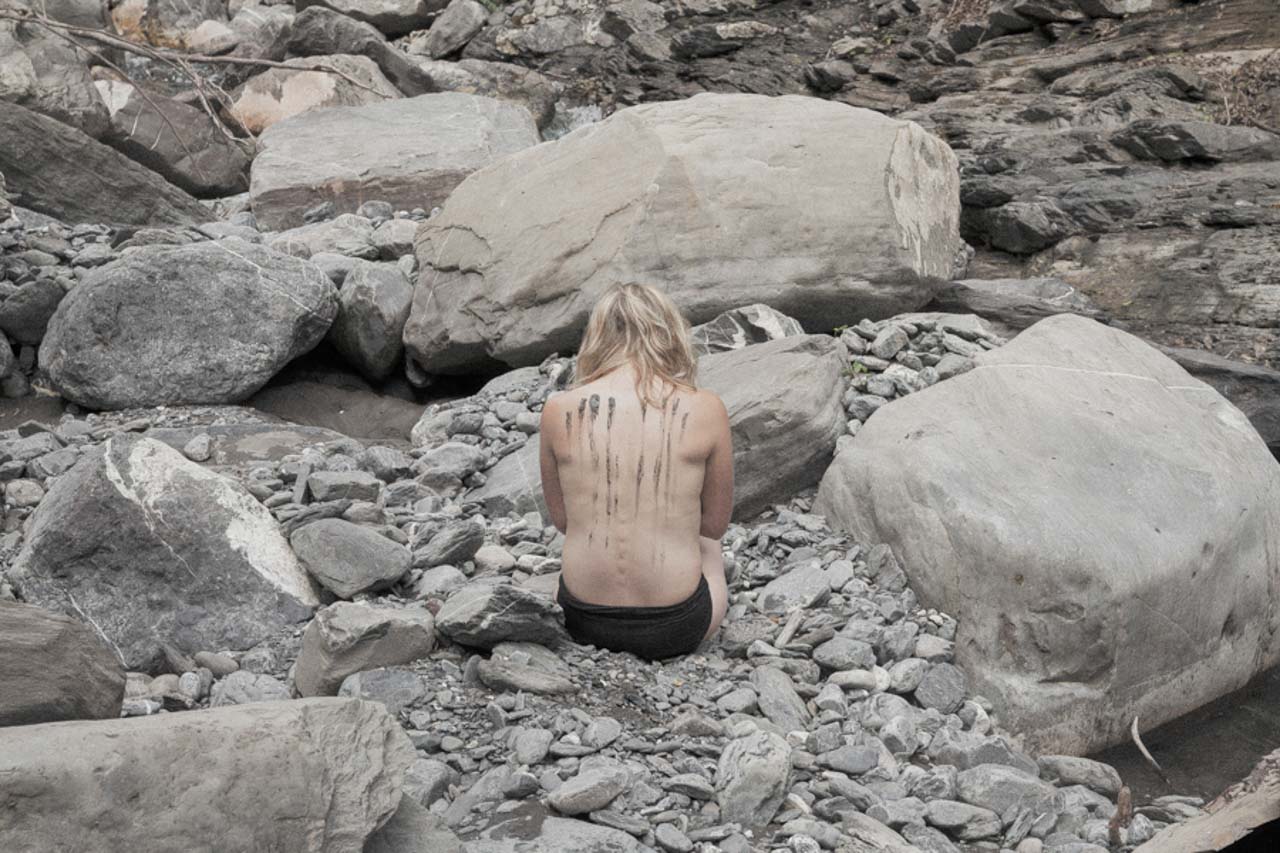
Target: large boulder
x,y
54,169
1103,526
41,70
537,92
410,152
53,667
373,307
206,322
311,776
151,548
178,141
317,31
827,212
783,399
279,93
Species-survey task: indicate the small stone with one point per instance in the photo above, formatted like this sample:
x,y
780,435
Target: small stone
x,y
943,687
671,839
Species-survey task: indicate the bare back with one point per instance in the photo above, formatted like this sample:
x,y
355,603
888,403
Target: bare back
x,y
632,482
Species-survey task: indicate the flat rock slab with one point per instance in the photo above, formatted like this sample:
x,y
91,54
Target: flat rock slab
x,y
55,668
826,212
152,548
410,152
347,559
1105,528
202,323
484,614
346,638
311,776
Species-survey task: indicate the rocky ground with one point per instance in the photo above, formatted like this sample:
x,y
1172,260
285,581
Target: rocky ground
x,y
987,288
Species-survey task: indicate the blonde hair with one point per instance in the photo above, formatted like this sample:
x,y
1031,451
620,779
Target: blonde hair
x,y
640,324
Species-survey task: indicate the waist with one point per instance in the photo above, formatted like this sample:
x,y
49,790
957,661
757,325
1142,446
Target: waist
x,y
569,601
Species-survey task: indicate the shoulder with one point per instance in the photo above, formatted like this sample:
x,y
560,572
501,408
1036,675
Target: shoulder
x,y
709,403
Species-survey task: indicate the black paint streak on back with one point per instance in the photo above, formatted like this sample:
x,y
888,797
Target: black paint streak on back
x,y
568,426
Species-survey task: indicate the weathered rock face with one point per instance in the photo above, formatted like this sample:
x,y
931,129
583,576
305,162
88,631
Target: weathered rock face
x,y
279,93
718,199
153,548
345,638
54,668
54,169
42,71
484,614
1102,525
753,777
536,92
315,775
410,152
203,323
179,142
740,327
373,307
783,399
317,31
348,559
6,209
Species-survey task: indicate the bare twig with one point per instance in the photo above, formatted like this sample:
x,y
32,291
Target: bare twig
x,y
1137,741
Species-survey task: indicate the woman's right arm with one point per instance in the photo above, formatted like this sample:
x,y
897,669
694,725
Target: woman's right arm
x,y
717,480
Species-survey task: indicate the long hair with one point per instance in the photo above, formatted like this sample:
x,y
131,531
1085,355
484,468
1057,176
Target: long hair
x,y
640,324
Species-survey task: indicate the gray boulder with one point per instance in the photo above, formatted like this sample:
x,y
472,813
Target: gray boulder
x,y
317,31
311,776
1013,304
347,638
552,835
795,233
752,778
392,17
373,306
151,548
178,141
413,829
503,80
54,169
348,559
42,71
410,152
454,27
54,668
279,93
165,23
1108,455
484,613
590,790
25,315
740,327
242,687
202,323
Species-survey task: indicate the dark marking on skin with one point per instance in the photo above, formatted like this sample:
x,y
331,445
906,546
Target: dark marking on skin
x,y
608,421
639,473
568,426
582,409
684,422
657,463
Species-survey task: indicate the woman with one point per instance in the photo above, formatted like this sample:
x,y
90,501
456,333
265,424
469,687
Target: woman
x,y
637,472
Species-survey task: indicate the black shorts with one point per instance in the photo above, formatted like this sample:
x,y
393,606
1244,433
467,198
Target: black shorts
x,y
651,633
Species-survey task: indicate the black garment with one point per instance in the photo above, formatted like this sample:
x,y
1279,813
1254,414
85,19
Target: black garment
x,y
647,632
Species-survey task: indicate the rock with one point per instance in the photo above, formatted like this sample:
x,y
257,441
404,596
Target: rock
x,y
793,386
1013,303
439,582
413,829
778,700
412,153
164,23
999,788
456,542
347,638
802,585
485,613
454,27
591,790
514,484
178,141
505,81
552,835
528,667
395,688
318,31
1200,141
339,485
278,93
315,774
153,548
740,327
1105,417
392,17
961,820
242,687
42,71
428,780
538,290
348,559
6,209
55,668
231,314
25,315
373,306
56,170
943,687
752,778
1063,770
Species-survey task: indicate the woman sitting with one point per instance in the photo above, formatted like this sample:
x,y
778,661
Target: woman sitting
x,y
637,472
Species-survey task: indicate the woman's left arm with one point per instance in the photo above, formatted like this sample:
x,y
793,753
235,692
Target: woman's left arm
x,y
551,492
